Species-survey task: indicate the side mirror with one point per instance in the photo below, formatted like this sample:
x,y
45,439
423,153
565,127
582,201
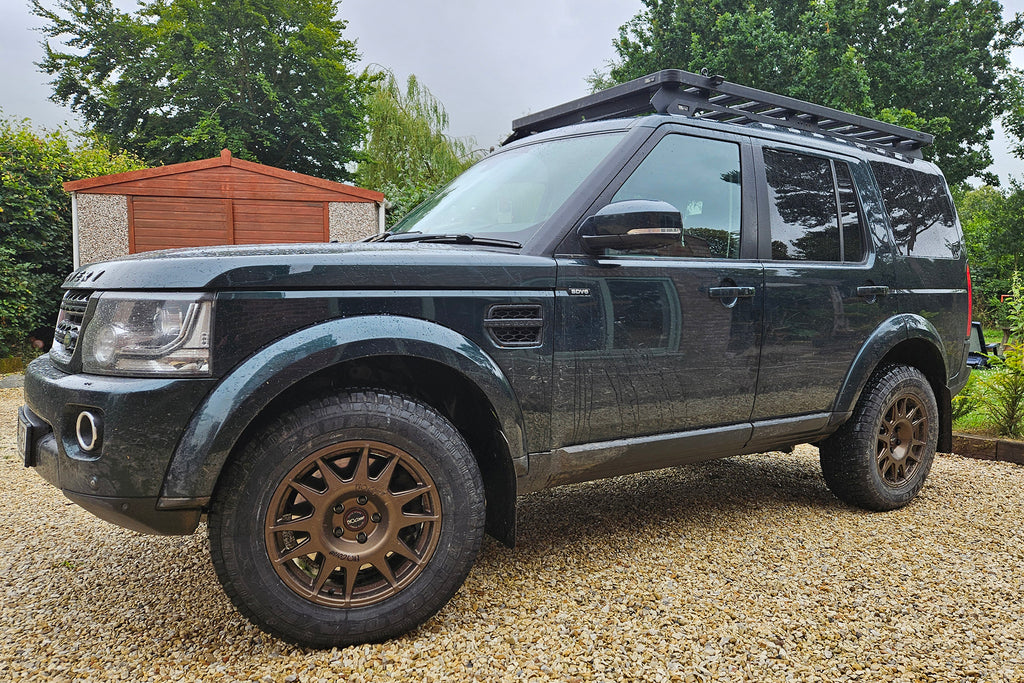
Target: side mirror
x,y
632,224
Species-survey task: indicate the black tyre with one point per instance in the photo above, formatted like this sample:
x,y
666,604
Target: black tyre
x,y
350,519
881,457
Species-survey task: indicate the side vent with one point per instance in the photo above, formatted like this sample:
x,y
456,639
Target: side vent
x,y
514,325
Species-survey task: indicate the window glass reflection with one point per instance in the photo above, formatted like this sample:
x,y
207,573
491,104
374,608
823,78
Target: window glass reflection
x,y
701,178
920,212
802,201
850,216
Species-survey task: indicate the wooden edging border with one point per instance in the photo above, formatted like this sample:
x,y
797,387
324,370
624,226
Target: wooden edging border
x,y
988,448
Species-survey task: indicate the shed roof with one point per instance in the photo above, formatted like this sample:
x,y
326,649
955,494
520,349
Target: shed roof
x,y
223,176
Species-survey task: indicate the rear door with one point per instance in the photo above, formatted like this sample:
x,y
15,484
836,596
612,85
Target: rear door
x,y
828,282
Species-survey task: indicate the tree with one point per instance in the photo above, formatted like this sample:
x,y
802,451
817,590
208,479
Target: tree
x,y
35,220
182,79
991,219
408,154
941,66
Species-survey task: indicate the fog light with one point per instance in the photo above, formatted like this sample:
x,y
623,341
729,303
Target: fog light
x,y
87,431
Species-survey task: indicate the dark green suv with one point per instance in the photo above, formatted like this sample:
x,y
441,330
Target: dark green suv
x,y
734,273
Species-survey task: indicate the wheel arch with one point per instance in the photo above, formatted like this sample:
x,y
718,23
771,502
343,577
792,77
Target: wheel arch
x,y
908,340
423,360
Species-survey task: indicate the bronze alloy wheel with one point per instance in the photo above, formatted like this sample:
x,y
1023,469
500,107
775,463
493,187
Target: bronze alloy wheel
x,y
902,440
352,524
880,457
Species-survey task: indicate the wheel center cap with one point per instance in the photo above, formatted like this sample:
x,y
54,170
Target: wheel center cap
x,y
902,434
356,519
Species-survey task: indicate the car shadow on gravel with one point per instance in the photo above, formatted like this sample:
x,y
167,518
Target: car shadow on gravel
x,y
694,496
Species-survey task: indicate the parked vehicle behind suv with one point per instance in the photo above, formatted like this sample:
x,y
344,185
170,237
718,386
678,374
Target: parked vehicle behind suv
x,y
733,273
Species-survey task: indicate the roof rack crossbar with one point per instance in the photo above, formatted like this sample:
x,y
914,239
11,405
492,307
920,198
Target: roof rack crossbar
x,y
673,91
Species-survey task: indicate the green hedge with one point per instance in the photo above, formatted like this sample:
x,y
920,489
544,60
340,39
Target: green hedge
x,y
35,220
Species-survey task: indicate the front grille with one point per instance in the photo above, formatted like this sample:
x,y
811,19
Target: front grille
x,y
515,325
69,323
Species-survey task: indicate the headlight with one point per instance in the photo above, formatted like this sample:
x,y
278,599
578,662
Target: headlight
x,y
141,334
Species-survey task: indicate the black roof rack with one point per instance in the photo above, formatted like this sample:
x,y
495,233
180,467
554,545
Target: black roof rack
x,y
673,91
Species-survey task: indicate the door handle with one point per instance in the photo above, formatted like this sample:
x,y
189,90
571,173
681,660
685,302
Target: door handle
x,y
872,291
731,292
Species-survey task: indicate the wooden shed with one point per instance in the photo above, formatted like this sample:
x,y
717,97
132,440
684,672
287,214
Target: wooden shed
x,y
212,202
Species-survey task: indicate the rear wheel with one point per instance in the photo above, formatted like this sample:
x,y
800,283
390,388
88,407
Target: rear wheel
x,y
880,458
350,519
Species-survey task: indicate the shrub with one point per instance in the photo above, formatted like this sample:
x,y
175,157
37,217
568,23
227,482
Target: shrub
x,y
1002,388
15,303
968,400
35,220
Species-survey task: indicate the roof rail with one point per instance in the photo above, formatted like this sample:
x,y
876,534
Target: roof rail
x,y
673,91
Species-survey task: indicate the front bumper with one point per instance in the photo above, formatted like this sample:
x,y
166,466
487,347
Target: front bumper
x,y
140,420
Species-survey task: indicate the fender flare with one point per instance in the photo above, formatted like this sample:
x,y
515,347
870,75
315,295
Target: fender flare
x,y
239,398
882,341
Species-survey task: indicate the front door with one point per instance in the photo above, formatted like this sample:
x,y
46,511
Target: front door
x,y
664,340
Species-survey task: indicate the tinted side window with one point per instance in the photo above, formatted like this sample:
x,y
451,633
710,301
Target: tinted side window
x,y
701,178
920,212
850,216
802,201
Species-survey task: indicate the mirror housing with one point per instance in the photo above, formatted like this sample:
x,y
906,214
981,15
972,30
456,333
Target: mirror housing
x,y
632,224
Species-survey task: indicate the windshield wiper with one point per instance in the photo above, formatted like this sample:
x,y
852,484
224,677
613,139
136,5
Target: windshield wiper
x,y
378,237
462,238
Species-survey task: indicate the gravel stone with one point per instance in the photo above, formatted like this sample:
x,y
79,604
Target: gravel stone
x,y
743,569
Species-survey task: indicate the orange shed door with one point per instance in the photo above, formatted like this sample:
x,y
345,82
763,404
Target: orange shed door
x,y
172,222
169,222
266,222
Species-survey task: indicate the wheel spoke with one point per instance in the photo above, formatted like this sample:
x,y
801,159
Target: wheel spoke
x,y
399,547
305,548
902,409
361,474
351,572
887,466
403,497
410,518
308,492
389,470
331,479
304,524
380,563
326,569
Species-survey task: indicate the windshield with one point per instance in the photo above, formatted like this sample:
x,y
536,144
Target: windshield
x,y
510,194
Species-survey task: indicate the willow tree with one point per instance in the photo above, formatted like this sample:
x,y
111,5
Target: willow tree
x,y
408,153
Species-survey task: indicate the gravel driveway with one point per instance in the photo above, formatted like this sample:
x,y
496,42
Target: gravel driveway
x,y
742,569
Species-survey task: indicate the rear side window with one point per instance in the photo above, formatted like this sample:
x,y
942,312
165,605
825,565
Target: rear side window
x,y
813,206
920,212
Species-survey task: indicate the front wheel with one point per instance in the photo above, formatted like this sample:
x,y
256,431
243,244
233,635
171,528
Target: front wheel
x,y
350,519
881,457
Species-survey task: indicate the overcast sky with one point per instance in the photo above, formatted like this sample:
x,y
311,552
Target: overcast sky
x,y
487,62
